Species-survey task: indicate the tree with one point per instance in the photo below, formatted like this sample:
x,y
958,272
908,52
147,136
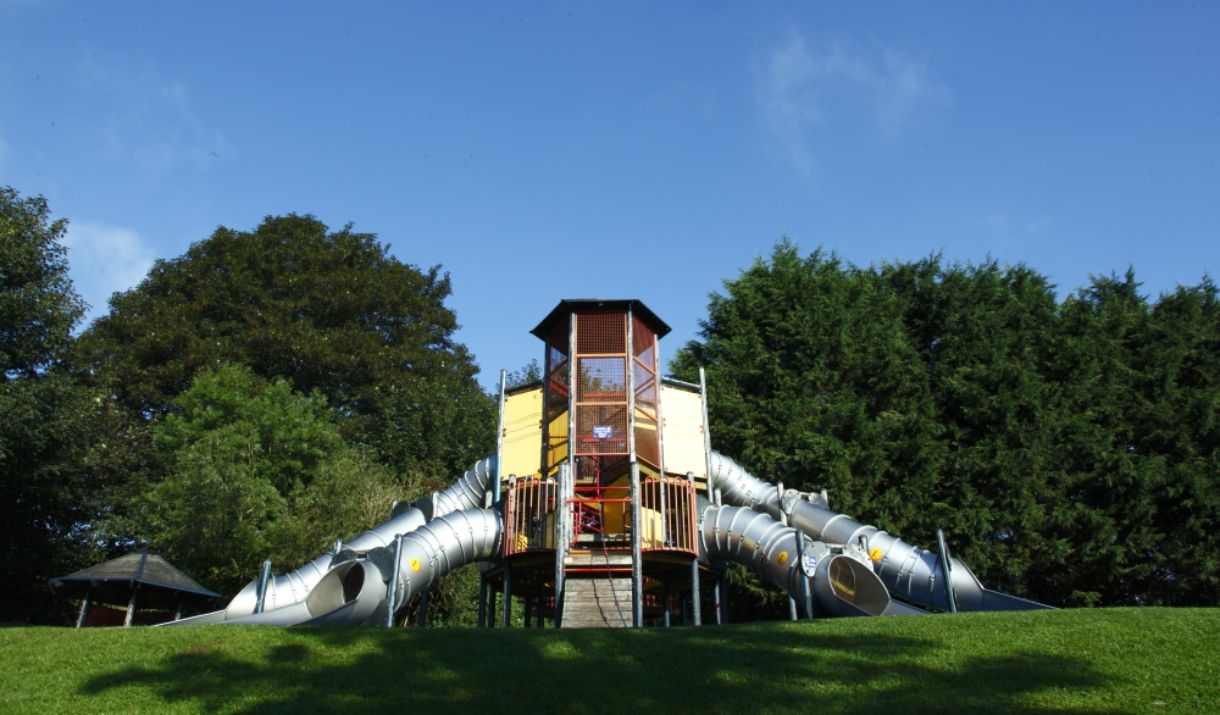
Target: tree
x,y
41,494
330,312
527,375
991,332
257,471
813,382
1181,428
1068,450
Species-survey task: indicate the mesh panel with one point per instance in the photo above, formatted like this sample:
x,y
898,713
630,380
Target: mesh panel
x,y
556,395
602,379
601,389
644,378
601,429
643,338
601,333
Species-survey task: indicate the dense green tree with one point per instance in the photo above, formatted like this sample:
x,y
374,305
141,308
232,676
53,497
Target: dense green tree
x,y
331,312
256,471
1142,384
1068,449
42,502
38,305
1182,428
991,339
814,383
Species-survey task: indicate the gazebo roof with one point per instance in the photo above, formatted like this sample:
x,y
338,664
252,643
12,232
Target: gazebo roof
x,y
160,583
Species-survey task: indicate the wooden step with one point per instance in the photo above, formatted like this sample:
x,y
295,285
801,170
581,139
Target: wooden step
x,y
597,603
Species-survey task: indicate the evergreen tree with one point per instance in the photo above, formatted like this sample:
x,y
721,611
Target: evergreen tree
x,y
1068,450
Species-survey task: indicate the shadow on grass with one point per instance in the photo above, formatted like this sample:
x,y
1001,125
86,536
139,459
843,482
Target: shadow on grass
x,y
709,670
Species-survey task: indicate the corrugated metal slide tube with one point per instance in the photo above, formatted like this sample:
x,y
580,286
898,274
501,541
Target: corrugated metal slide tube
x,y
354,591
444,544
740,488
295,586
841,585
906,570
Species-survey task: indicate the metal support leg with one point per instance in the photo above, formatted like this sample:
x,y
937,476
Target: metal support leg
x,y
637,551
506,608
83,618
696,605
481,619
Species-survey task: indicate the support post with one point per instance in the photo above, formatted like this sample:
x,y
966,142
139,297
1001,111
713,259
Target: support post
x,y
563,521
500,439
83,617
783,518
392,597
135,587
481,619
946,570
425,599
695,600
726,605
707,438
264,578
506,608
806,595
131,606
637,551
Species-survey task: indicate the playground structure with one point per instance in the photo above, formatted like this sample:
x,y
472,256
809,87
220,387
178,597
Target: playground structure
x,y
604,505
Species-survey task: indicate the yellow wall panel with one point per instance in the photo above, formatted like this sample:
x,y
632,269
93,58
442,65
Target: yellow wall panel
x,y
522,433
682,416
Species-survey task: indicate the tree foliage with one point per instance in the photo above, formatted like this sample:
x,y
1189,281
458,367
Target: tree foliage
x,y
200,361
41,410
256,471
1068,448
330,312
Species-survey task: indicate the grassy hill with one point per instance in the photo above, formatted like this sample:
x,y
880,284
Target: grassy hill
x,y
1081,661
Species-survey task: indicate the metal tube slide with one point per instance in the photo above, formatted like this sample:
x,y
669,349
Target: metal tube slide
x,y
444,544
740,488
354,591
906,570
295,586
842,585
912,573
351,593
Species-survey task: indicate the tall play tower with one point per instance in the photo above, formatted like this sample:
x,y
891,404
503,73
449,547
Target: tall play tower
x,y
628,449
604,506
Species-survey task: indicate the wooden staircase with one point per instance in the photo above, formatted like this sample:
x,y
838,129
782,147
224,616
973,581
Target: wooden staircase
x,y
597,602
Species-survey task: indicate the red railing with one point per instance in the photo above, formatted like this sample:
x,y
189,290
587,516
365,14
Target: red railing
x,y
601,516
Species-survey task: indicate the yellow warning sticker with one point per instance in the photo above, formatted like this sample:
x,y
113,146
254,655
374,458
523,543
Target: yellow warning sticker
x,y
782,558
415,566
875,554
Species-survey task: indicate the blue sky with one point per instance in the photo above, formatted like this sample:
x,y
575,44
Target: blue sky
x,y
541,151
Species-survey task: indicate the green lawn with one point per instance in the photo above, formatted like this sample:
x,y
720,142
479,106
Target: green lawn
x,y
1077,661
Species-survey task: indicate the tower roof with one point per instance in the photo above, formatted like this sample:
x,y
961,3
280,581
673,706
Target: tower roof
x,y
568,306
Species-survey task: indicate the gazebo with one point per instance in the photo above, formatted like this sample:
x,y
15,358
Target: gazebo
x,y
140,582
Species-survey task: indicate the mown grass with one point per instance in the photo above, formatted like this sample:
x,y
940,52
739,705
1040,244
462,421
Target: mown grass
x,y
1083,661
